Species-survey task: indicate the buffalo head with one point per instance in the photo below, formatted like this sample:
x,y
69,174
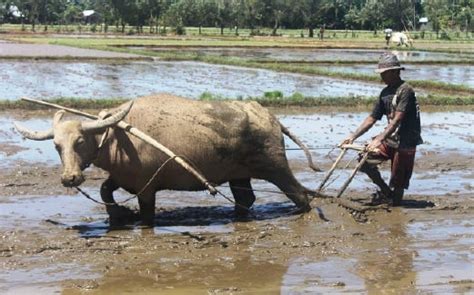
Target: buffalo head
x,y
75,142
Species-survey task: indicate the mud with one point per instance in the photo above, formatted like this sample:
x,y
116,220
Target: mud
x,y
53,240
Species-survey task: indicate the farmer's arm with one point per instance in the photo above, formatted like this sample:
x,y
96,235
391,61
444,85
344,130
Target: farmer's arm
x,y
391,127
363,128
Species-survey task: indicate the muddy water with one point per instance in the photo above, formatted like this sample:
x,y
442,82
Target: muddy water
x,y
189,79
60,242
454,74
295,54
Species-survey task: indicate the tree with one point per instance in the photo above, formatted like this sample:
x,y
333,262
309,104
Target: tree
x,y
372,16
435,10
225,13
308,12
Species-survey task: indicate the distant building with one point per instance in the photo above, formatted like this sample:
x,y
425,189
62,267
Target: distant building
x,y
423,22
15,12
90,16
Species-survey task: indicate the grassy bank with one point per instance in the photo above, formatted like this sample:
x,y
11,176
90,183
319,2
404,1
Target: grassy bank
x,y
103,42
270,99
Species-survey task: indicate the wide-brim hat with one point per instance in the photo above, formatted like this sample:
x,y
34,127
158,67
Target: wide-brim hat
x,y
387,62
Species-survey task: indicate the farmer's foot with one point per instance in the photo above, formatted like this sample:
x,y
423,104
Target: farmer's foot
x,y
379,198
397,196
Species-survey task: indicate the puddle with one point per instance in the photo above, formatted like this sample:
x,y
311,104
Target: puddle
x,y
68,210
442,261
27,150
189,79
332,276
313,54
50,278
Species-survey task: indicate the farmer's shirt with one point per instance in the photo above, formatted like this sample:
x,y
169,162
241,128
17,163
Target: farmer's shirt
x,y
409,131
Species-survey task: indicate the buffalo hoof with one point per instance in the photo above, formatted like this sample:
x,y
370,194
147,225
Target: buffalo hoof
x,y
241,211
120,215
302,209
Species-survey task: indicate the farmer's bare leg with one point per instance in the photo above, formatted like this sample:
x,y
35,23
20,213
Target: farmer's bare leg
x,y
374,174
397,196
243,195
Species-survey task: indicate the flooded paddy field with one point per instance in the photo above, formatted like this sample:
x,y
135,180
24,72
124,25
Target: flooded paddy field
x,y
49,79
453,74
45,79
56,241
314,54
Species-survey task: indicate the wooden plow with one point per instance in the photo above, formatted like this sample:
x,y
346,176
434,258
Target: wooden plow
x,y
356,209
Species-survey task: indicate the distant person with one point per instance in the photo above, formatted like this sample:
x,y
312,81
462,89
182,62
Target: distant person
x,y
398,141
321,32
388,36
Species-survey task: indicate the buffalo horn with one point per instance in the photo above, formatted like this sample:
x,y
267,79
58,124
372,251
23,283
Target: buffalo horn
x,y
109,121
34,135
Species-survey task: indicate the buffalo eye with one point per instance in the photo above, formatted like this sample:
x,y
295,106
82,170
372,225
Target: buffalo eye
x,y
79,142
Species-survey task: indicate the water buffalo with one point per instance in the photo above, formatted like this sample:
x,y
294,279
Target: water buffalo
x,y
230,141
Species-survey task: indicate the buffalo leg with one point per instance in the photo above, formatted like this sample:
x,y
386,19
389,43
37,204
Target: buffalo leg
x,y
118,215
287,183
146,201
243,195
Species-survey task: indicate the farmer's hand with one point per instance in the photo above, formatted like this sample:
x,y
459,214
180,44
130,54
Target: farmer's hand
x,y
374,144
348,140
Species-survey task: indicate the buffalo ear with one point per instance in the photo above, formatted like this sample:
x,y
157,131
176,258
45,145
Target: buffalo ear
x,y
57,117
108,121
34,135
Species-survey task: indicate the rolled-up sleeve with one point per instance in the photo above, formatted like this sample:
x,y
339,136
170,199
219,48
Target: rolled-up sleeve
x,y
378,110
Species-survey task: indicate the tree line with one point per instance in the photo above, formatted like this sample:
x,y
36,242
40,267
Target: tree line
x,y
157,15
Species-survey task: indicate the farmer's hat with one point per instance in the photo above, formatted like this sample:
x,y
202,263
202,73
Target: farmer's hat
x,y
388,61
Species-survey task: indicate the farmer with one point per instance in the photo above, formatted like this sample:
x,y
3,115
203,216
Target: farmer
x,y
398,141
388,35
321,32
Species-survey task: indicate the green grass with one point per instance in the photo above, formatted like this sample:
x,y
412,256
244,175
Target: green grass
x,y
277,99
101,42
270,99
